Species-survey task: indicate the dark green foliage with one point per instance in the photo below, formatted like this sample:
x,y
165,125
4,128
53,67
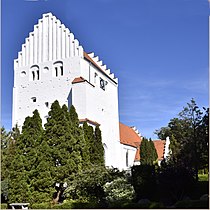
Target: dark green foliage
x,y
189,134
148,153
36,159
88,184
192,204
41,206
154,155
98,152
3,206
23,168
175,182
144,181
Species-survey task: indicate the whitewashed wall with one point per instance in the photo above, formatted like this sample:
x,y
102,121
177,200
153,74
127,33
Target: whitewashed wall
x,y
51,42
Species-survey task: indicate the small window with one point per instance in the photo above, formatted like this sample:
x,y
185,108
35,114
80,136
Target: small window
x,y
47,104
46,69
102,84
33,99
61,70
33,75
23,74
127,158
37,74
58,69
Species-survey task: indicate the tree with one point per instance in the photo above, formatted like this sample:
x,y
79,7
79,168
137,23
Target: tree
x,y
99,150
23,166
188,134
154,155
148,153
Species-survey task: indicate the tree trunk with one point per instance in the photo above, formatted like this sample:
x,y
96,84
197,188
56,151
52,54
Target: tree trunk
x,y
55,200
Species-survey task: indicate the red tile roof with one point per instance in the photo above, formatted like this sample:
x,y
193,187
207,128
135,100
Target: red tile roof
x,y
89,121
79,80
160,145
128,136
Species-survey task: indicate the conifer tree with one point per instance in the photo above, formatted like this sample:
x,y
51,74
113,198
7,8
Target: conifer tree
x,y
154,155
23,166
148,153
99,150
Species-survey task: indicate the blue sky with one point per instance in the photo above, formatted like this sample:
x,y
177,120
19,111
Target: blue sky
x,y
157,48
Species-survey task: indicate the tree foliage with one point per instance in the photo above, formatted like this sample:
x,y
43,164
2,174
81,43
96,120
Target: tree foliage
x,y
35,160
189,133
148,153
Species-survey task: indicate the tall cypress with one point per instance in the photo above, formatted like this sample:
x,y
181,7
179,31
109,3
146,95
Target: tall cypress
x,y
99,150
23,166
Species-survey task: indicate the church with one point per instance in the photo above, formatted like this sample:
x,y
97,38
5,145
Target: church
x,y
52,65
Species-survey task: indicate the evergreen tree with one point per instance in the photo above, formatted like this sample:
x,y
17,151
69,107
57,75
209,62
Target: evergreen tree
x,y
154,155
148,153
98,152
23,166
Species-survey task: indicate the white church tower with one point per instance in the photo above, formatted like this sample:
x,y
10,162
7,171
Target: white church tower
x,y
52,65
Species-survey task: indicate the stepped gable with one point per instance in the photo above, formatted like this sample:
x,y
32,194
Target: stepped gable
x,y
128,136
50,40
99,65
160,147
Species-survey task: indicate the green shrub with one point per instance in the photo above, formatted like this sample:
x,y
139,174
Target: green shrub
x,y
84,204
199,204
3,206
119,190
41,206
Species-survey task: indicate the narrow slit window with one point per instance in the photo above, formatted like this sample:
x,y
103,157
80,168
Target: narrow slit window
x,y
37,74
56,71
33,75
127,158
61,70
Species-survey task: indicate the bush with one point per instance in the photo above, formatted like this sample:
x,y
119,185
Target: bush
x,y
76,204
119,190
195,204
3,206
41,206
144,181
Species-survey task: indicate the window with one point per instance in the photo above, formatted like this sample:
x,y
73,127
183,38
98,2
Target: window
x,y
33,99
58,69
127,158
46,69
95,75
23,74
102,84
34,73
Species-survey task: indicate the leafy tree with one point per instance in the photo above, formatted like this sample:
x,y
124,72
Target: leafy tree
x,y
189,133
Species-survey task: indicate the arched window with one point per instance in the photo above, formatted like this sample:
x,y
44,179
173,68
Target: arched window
x,y
58,69
34,73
